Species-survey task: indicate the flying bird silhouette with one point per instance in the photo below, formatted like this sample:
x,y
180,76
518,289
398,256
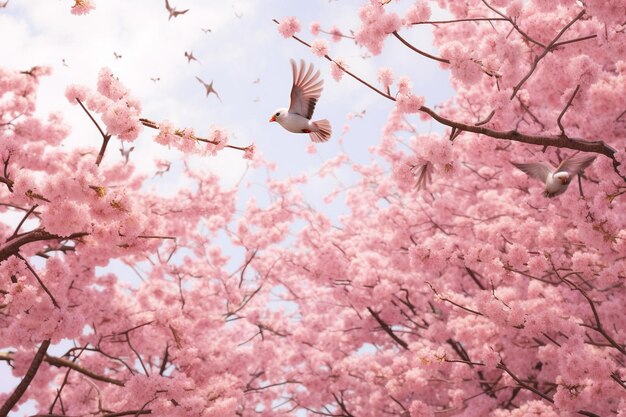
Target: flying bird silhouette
x,y
305,91
206,30
556,180
190,57
155,79
209,88
172,10
116,55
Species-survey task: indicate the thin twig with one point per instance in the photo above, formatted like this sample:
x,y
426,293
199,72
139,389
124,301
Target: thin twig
x,y
21,223
180,133
569,103
32,271
105,136
419,51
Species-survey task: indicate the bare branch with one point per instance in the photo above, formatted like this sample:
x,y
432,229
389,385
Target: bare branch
x,y
12,246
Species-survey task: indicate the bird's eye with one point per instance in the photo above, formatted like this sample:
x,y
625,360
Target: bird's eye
x,y
277,114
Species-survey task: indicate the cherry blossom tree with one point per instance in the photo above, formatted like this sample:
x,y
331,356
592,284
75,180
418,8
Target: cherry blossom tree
x,y
451,286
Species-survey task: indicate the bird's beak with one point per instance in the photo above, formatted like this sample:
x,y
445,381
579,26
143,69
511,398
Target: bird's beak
x,y
272,119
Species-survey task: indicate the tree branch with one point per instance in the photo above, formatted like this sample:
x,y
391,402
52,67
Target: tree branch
x,y
569,103
25,382
12,245
388,329
180,133
105,136
60,363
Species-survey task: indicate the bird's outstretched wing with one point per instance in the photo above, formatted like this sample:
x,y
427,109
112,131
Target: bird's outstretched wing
x,y
535,170
306,89
576,164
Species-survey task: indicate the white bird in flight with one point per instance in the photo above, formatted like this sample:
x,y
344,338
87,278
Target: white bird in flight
x,y
305,91
557,179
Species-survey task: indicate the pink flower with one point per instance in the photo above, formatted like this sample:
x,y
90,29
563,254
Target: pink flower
x,y
319,47
409,103
74,92
249,152
315,28
336,34
404,85
289,26
385,77
419,12
166,134
219,139
83,7
336,69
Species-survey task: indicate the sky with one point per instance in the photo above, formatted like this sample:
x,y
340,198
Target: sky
x,y
245,57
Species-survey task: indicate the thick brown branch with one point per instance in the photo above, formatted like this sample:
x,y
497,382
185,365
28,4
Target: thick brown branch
x,y
25,382
547,140
12,246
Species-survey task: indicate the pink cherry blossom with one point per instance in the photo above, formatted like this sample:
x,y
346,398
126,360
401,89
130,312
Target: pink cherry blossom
x,y
81,7
319,47
289,26
314,28
336,69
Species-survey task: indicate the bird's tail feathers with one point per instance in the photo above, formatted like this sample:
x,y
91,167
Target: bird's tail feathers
x,y
323,132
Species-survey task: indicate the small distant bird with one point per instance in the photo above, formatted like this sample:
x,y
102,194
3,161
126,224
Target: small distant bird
x,y
258,80
190,57
155,79
206,30
116,55
126,153
305,91
256,99
557,179
64,63
172,10
209,88
238,14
